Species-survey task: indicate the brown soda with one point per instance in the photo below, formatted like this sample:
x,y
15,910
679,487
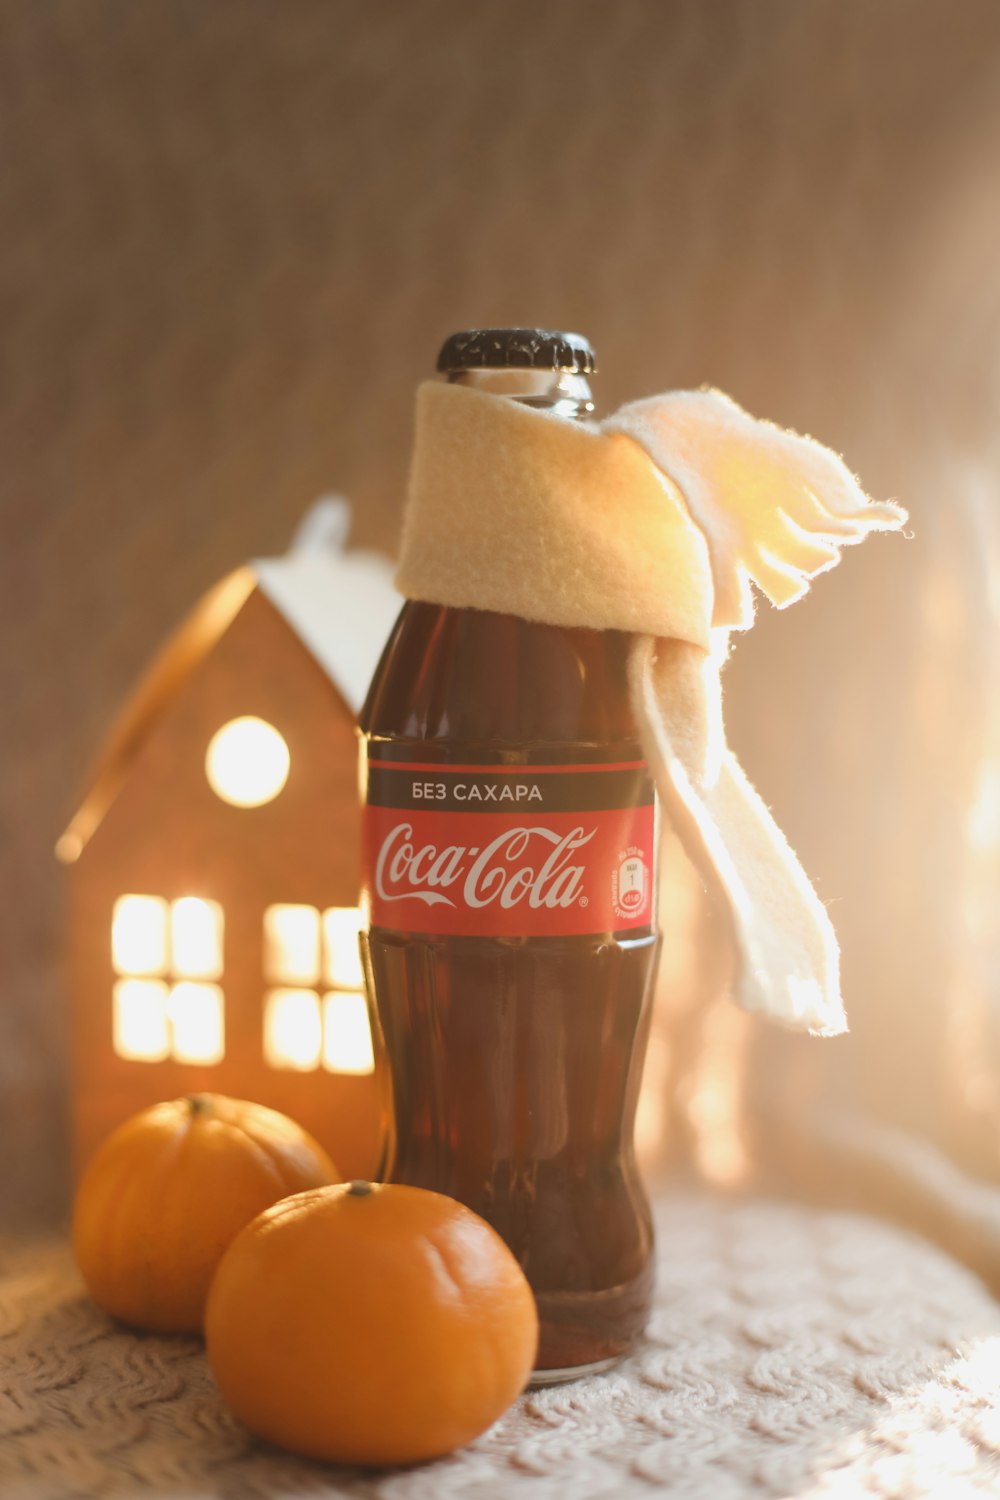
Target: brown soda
x,y
509,853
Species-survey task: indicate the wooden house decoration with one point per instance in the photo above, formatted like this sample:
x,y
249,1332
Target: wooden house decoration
x,y
215,866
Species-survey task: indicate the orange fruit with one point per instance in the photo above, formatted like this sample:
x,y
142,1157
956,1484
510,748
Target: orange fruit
x,y
165,1194
370,1324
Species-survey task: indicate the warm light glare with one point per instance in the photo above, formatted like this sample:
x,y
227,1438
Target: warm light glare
x,y
140,1031
291,944
342,960
715,1097
347,1035
247,762
139,935
293,1030
983,821
69,847
195,1014
651,1116
196,938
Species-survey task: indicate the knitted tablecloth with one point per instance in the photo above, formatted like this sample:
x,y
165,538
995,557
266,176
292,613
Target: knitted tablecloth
x,y
792,1352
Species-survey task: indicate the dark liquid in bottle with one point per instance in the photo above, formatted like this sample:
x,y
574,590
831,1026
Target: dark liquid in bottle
x,y
516,1061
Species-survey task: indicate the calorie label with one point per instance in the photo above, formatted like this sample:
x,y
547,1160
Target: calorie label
x,y
509,851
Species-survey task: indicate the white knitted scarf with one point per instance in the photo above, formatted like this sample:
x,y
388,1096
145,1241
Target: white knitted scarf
x,y
655,522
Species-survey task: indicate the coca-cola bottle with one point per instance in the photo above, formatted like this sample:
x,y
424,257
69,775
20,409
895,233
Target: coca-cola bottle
x,y
511,950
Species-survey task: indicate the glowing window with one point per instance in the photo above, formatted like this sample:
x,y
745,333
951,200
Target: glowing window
x,y
139,935
291,944
304,948
196,938
139,1020
247,762
154,943
300,1033
196,1022
341,958
347,1036
301,947
293,1030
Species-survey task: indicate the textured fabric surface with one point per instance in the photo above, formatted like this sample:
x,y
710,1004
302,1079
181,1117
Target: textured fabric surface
x,y
790,1353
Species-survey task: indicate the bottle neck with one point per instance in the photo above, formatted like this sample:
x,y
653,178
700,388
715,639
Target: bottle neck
x,y
562,391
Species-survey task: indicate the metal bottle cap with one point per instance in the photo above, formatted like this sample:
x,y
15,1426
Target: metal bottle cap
x,y
516,348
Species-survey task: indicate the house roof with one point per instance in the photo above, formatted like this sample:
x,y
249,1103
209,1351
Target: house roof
x,y
340,604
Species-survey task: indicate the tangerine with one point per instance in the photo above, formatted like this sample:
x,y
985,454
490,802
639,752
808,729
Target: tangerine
x,y
370,1324
165,1194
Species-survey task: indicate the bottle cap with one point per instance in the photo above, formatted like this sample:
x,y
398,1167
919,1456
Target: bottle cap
x,y
516,348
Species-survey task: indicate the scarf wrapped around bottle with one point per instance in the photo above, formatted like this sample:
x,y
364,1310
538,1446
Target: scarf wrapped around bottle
x,y
654,522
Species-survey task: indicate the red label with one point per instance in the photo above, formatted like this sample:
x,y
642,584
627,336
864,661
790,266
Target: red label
x,y
509,851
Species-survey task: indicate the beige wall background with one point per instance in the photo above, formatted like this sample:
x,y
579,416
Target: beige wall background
x,y
232,236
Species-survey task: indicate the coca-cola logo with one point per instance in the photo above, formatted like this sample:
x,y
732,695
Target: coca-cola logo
x,y
530,865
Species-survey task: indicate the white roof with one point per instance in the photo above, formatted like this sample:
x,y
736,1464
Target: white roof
x,y
342,605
